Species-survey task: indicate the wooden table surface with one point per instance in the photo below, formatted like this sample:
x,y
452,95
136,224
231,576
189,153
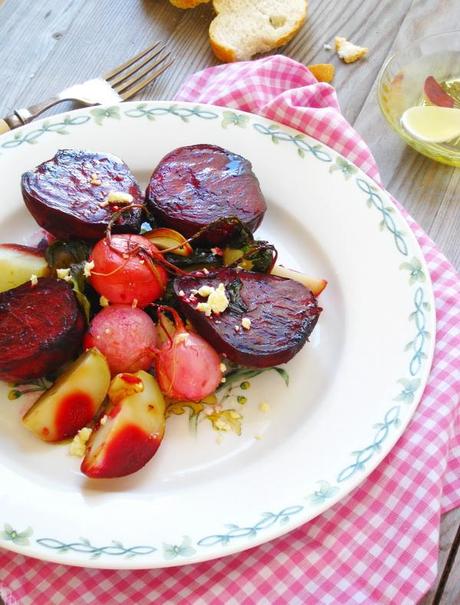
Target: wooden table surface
x,y
48,45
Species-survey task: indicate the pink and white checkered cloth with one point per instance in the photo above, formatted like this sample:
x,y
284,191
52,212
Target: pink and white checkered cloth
x,y
379,546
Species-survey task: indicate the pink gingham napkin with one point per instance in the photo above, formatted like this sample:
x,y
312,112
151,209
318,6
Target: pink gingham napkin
x,y
378,546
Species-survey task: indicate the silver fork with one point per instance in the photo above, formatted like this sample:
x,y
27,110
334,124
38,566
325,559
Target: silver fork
x,y
119,84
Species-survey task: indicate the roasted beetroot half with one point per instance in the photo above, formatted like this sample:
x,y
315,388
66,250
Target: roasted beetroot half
x,y
41,327
267,321
194,186
68,195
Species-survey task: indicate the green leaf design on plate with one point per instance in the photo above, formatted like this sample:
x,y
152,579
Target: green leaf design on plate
x,y
416,273
17,537
100,114
344,167
230,118
185,549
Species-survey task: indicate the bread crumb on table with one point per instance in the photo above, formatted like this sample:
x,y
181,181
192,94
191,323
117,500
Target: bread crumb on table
x,y
349,52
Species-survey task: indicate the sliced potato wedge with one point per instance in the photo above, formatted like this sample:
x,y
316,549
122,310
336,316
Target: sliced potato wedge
x,y
73,400
128,436
18,264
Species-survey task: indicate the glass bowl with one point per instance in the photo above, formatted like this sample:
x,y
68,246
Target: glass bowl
x,y
401,81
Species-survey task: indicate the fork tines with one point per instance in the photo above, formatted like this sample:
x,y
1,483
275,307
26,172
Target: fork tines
x,y
131,77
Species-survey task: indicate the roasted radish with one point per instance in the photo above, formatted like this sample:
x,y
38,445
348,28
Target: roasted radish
x,y
193,186
75,194
130,433
186,366
72,401
125,270
126,336
267,321
18,264
41,327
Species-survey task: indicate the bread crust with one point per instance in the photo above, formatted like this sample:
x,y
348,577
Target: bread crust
x,y
187,3
229,54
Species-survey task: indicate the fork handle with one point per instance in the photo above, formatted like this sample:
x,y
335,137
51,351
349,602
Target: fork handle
x,y
24,115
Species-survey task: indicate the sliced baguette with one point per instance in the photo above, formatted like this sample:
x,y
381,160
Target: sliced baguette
x,y
243,28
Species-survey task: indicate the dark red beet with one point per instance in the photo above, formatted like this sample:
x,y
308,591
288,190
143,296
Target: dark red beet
x,y
282,312
41,327
193,186
65,200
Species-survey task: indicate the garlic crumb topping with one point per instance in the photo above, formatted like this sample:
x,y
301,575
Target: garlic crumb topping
x,y
205,291
217,300
182,337
33,280
78,445
204,307
87,268
246,323
64,274
349,52
117,197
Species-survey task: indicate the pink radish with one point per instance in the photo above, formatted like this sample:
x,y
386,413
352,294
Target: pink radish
x,y
186,366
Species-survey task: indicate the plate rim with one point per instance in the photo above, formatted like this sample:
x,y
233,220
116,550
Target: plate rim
x,y
272,128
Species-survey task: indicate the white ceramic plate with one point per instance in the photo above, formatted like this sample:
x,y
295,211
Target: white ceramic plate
x,y
352,389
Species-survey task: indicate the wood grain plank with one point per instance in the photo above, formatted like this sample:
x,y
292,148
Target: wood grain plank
x,y
29,33
424,187
449,592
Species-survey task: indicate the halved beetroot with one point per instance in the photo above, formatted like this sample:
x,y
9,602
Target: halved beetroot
x,y
281,312
67,194
41,327
196,185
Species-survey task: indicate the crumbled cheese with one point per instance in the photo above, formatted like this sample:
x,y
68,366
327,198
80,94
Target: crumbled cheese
x,y
118,197
103,420
223,367
181,293
236,328
103,301
264,407
87,268
246,323
221,425
64,274
223,379
33,279
182,337
205,291
134,303
95,180
205,271
78,445
205,308
218,300
349,52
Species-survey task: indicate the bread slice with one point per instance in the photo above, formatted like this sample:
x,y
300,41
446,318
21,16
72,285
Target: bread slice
x,y
187,3
244,28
